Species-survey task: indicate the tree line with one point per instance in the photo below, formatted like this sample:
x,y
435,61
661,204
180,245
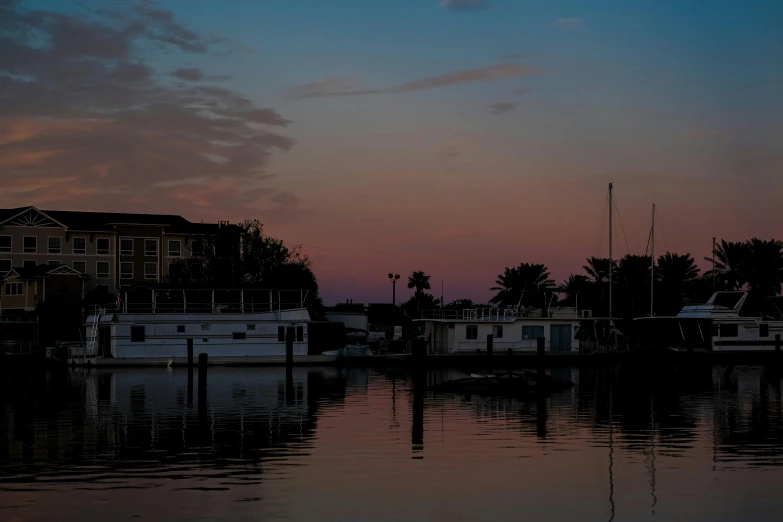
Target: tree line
x,y
755,265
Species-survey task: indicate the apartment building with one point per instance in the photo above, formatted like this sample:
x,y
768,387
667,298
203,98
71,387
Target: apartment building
x,y
112,249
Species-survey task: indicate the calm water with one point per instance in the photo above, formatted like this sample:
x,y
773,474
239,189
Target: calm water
x,y
356,444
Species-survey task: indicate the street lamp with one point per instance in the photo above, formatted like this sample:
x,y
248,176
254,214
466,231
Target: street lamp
x,y
393,278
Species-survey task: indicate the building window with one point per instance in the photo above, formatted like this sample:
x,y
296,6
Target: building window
x,y
103,246
5,265
150,247
137,334
80,266
251,327
102,269
497,331
471,331
55,245
729,330
150,270
175,248
205,327
14,288
532,332
197,248
763,330
180,328
30,263
54,262
239,335
126,270
299,334
126,247
281,334
5,244
30,245
79,245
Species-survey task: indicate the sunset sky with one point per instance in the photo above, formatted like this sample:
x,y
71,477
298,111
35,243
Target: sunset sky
x,y
450,136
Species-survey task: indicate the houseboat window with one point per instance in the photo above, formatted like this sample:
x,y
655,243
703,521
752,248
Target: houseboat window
x,y
5,265
80,266
180,328
137,334
299,334
5,243
471,331
14,288
102,269
205,340
79,245
251,327
205,327
30,244
126,270
55,262
239,335
150,270
150,247
281,334
729,330
532,332
55,245
102,246
175,248
197,248
763,330
497,331
126,246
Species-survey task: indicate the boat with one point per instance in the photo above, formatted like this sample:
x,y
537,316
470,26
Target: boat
x,y
719,325
510,384
351,350
165,332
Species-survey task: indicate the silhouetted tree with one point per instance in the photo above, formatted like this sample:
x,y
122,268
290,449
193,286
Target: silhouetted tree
x,y
633,286
763,268
522,283
678,276
730,264
460,304
577,288
598,269
419,280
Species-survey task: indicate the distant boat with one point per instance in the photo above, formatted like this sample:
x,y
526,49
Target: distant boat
x,y
719,325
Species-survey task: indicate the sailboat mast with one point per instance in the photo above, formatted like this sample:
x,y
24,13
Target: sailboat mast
x,y
713,265
652,261
610,251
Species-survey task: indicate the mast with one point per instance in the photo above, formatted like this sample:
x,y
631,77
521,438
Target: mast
x,y
610,254
652,261
713,265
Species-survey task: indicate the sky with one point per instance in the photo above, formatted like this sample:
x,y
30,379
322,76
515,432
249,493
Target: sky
x,y
455,137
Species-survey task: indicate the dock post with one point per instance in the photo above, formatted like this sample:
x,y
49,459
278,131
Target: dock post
x,y
490,337
540,353
202,390
290,333
777,344
190,371
417,422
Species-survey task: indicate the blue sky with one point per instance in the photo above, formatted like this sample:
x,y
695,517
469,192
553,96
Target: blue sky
x,y
677,102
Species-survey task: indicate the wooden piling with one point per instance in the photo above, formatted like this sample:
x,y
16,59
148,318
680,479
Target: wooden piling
x,y
290,335
190,372
777,344
540,353
190,353
490,350
202,390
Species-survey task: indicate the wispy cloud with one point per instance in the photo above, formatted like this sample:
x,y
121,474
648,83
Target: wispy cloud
x,y
332,87
465,5
80,97
521,91
502,107
571,23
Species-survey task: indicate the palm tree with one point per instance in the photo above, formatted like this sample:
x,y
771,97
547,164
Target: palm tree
x,y
574,285
460,304
524,280
763,267
419,280
678,274
598,269
633,289
730,261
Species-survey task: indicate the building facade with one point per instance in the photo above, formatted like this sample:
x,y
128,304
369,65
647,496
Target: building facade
x,y
113,250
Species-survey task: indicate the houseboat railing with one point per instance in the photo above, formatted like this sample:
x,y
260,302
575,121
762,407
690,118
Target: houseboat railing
x,y
500,314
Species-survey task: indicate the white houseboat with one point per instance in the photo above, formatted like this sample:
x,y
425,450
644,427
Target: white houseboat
x,y
719,325
232,331
564,329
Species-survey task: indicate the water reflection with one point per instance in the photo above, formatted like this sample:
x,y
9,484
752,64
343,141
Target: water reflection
x,y
349,444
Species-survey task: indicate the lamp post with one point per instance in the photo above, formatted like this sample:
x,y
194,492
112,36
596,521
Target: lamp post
x,y
393,278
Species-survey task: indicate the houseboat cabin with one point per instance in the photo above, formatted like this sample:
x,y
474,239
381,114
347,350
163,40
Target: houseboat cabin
x,y
163,330
721,324
565,330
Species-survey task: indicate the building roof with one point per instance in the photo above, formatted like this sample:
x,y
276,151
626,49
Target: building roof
x,y
108,221
41,271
